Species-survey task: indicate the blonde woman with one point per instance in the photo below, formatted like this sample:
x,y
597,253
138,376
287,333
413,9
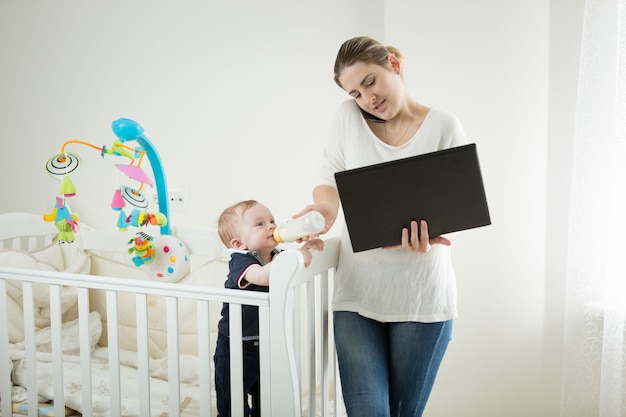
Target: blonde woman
x,y
393,307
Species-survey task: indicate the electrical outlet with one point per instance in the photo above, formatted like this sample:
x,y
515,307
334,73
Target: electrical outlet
x,y
177,196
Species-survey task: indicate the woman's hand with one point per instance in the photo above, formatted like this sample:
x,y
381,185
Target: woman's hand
x,y
326,210
418,241
326,200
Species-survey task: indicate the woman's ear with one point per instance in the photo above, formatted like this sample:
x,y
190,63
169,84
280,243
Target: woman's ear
x,y
395,63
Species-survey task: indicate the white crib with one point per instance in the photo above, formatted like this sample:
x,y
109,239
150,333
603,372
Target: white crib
x,y
86,356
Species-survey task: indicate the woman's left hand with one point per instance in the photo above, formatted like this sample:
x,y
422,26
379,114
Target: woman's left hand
x,y
418,241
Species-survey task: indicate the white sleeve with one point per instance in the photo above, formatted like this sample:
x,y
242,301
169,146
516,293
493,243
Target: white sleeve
x,y
456,132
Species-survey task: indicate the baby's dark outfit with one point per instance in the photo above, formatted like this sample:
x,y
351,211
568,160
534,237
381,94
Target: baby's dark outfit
x,y
240,262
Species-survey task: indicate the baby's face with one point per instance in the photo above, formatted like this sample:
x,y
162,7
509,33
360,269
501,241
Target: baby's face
x,y
256,230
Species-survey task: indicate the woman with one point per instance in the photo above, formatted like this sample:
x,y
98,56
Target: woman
x,y
393,307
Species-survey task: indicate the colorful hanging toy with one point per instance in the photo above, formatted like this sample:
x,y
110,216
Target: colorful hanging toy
x,y
163,256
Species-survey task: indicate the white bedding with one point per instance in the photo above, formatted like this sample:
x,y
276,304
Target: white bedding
x,y
54,257
159,388
212,274
50,258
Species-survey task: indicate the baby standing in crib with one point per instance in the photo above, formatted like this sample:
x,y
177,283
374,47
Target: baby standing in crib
x,y
247,229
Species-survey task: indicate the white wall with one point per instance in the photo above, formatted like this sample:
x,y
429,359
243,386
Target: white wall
x,y
237,97
566,19
487,61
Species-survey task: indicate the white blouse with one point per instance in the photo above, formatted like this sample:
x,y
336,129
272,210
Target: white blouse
x,y
390,285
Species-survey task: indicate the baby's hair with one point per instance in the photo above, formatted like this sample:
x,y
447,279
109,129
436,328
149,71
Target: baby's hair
x,y
363,49
228,220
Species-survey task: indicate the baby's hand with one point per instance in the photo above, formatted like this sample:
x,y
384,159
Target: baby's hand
x,y
313,244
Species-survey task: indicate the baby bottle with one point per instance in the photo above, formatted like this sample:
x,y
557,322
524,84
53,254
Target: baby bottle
x,y
308,224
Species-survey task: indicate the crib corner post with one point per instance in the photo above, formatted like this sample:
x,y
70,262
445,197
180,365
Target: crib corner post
x,y
284,386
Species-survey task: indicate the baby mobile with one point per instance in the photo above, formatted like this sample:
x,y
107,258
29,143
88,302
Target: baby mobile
x,y
163,256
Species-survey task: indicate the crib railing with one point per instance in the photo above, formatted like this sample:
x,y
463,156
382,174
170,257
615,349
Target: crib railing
x,y
292,376
296,349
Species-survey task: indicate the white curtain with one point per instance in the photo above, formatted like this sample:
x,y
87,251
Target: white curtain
x,y
594,382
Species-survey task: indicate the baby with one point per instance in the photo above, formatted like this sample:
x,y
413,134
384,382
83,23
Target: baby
x,y
247,229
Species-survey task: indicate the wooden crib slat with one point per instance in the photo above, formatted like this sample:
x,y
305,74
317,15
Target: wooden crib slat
x,y
85,349
324,339
143,354
204,361
236,360
297,292
264,359
33,243
29,341
173,364
57,349
5,365
114,354
311,344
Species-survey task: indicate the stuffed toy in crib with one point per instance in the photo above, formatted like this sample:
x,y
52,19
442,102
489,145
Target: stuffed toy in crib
x,y
64,220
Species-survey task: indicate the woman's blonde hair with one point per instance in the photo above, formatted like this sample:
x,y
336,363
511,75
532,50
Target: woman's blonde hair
x,y
226,224
363,49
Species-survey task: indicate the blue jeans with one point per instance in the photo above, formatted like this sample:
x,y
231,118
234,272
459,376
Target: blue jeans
x,y
388,369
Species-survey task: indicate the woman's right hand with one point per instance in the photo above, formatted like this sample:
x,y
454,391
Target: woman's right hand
x,y
327,203
327,210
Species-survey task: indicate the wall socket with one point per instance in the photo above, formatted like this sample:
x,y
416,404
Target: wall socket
x,y
178,199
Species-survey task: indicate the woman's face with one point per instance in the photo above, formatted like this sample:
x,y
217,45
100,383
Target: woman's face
x,y
376,89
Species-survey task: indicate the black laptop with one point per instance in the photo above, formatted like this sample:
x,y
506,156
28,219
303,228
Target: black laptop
x,y
445,188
